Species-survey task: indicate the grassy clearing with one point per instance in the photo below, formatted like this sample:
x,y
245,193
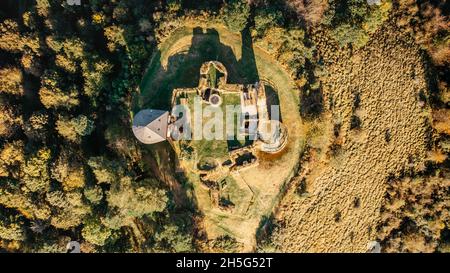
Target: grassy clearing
x,y
178,62
254,191
217,149
358,166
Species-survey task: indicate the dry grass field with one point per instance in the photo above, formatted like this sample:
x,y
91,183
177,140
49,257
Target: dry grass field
x,y
375,126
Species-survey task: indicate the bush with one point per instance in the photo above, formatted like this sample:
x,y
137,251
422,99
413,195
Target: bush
x,y
235,14
11,81
354,21
74,129
95,232
350,34
10,120
312,11
265,18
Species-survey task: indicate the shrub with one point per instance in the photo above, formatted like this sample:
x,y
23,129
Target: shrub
x,y
95,232
10,120
74,129
11,81
312,11
266,18
235,14
441,121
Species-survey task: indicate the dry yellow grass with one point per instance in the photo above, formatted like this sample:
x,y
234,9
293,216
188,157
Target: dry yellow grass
x,y
342,207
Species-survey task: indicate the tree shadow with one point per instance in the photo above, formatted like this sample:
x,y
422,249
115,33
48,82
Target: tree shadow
x,y
311,99
272,99
183,69
247,63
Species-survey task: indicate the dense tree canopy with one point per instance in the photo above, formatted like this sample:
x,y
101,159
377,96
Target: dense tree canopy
x,y
235,14
130,199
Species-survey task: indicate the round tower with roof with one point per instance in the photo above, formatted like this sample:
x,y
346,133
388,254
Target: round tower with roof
x,y
151,126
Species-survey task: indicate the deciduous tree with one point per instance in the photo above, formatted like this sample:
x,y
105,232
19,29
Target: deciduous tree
x,y
105,171
93,193
130,199
12,158
11,81
69,171
70,209
10,120
36,127
11,228
74,129
10,38
235,14
52,93
36,171
95,232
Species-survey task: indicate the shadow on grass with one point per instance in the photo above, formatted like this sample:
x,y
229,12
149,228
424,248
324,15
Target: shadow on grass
x,y
183,69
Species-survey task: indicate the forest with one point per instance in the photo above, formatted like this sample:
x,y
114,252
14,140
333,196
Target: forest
x,y
71,169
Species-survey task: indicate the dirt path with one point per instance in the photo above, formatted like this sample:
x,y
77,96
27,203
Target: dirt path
x,y
342,209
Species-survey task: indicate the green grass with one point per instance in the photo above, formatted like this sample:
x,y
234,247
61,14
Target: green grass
x,y
183,72
215,148
183,68
233,191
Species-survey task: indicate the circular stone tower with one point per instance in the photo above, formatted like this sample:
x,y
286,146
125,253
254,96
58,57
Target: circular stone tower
x,y
150,126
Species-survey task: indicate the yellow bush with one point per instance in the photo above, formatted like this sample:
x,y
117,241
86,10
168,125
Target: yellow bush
x,y
437,156
98,18
11,81
441,121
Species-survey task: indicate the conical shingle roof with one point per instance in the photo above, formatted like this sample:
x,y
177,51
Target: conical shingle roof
x,y
150,126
